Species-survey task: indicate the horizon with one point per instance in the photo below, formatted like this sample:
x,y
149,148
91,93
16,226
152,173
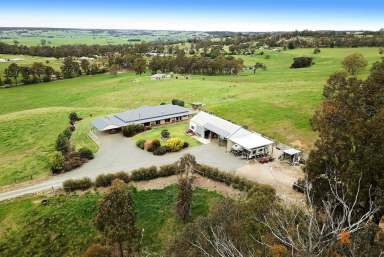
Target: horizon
x,y
213,15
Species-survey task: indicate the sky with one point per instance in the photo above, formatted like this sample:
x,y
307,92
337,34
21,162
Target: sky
x,y
197,15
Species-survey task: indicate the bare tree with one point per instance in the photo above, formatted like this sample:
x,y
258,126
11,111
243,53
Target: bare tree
x,y
305,230
221,243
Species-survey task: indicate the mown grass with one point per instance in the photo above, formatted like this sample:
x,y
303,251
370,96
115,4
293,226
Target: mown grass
x,y
277,102
176,130
65,226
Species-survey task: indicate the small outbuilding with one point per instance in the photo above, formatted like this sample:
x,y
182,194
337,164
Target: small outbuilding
x,y
292,155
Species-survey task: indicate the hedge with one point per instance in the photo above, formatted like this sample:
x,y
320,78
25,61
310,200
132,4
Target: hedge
x,y
143,174
71,185
229,179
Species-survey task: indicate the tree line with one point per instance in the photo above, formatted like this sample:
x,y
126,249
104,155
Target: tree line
x,y
196,65
38,72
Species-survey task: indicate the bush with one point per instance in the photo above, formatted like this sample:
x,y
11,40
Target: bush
x,y
155,144
104,180
144,174
57,164
72,128
86,153
316,50
77,184
74,117
165,134
73,163
133,129
140,143
123,176
178,102
185,145
302,62
67,133
62,144
167,170
174,144
148,145
161,150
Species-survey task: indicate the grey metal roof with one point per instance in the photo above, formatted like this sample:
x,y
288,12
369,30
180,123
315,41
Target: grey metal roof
x,y
152,113
140,115
216,124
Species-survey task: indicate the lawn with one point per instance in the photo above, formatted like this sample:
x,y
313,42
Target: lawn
x,y
277,102
175,130
65,227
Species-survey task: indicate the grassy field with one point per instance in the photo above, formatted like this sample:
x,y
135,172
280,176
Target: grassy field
x,y
277,102
27,60
175,130
65,227
59,37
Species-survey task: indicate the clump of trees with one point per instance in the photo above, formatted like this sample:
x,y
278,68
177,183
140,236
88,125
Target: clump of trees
x,y
354,63
196,65
67,158
39,72
302,62
350,144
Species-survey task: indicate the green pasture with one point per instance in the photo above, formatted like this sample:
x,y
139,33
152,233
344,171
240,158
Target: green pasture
x,y
277,102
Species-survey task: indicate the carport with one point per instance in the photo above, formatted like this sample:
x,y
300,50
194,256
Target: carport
x,y
254,145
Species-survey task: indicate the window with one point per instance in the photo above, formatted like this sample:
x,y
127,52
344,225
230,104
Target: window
x,y
167,120
157,122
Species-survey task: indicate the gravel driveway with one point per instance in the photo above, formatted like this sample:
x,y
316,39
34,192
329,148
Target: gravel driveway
x,y
118,153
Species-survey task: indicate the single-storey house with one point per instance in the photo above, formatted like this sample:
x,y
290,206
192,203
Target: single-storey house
x,y
146,115
210,127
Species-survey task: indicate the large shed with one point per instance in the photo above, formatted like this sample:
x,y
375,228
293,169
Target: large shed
x,y
210,127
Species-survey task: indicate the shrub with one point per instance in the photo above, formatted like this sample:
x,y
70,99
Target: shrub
x,y
302,62
77,184
123,176
161,150
72,128
74,117
97,250
86,153
133,129
57,164
178,102
165,134
316,50
73,163
148,145
155,144
62,144
167,170
104,180
140,143
185,145
174,144
144,174
67,133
